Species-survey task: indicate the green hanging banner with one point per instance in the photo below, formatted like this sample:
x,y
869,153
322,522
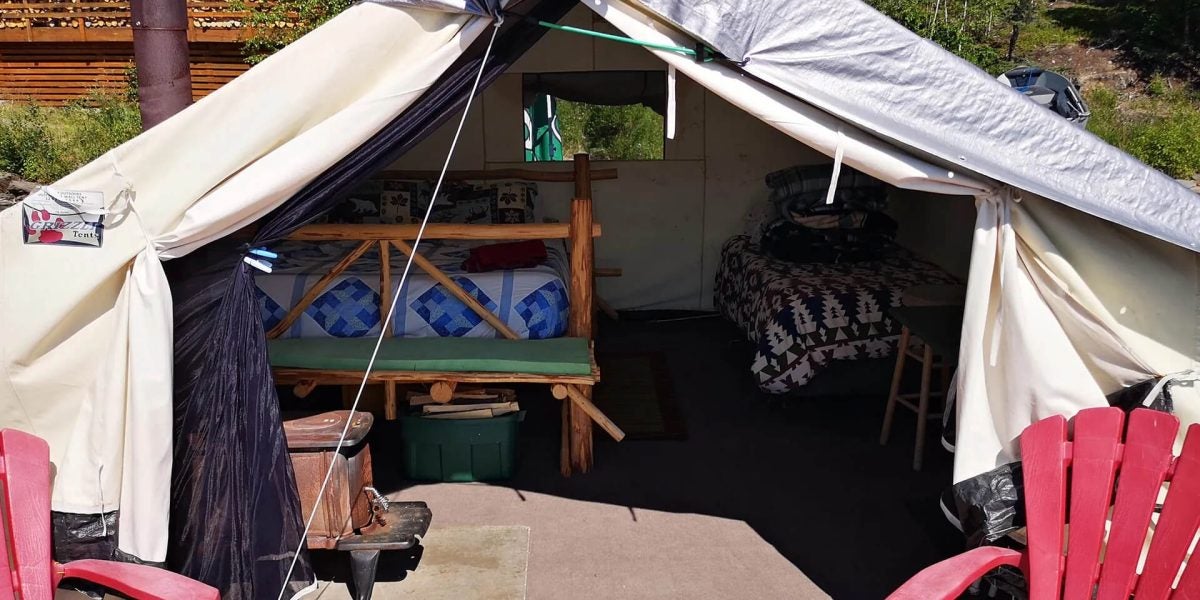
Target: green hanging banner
x,y
543,142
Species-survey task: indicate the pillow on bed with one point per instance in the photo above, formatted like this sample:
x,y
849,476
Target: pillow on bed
x,y
472,205
389,201
514,202
357,207
400,201
397,199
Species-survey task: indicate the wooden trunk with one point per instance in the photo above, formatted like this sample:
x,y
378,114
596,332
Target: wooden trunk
x,y
312,443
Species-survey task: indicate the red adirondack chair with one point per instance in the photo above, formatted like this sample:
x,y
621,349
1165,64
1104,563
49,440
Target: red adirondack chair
x,y
1092,460
32,573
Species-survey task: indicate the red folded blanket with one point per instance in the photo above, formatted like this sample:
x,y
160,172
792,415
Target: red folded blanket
x,y
509,255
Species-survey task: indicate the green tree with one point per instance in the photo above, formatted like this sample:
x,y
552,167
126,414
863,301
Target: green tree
x,y
43,144
632,132
968,30
274,24
1022,13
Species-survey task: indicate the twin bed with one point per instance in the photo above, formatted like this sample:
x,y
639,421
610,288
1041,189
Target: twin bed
x,y
801,316
325,299
533,302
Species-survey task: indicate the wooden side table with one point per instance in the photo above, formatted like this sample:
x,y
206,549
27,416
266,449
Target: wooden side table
x,y
938,328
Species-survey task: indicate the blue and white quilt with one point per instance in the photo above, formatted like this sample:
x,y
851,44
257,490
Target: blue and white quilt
x,y
533,302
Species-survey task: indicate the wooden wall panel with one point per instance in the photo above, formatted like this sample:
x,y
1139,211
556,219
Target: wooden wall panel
x,y
53,73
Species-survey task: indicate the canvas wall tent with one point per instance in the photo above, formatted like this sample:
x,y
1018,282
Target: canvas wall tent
x,y
1057,314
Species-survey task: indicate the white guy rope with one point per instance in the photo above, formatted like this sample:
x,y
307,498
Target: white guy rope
x,y
388,319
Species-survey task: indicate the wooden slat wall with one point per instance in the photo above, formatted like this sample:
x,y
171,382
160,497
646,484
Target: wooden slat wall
x,y
60,72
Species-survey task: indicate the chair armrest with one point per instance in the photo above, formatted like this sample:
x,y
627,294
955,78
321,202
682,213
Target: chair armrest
x,y
949,578
140,582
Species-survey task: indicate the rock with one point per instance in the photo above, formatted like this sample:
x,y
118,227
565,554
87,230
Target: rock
x,y
13,189
22,187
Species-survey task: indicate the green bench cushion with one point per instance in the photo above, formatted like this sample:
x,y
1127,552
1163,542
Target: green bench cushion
x,y
558,356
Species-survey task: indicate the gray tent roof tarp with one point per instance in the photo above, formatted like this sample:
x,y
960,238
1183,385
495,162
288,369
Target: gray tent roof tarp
x,y
857,64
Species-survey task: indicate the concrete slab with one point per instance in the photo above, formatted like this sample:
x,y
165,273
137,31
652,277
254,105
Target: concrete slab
x,y
580,549
459,563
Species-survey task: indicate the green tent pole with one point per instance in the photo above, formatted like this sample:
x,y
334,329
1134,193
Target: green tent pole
x,y
622,39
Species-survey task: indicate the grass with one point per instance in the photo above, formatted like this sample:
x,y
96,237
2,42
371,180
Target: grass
x,y
43,144
1047,32
1162,128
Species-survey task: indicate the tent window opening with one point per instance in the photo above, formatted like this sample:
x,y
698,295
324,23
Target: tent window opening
x,y
611,115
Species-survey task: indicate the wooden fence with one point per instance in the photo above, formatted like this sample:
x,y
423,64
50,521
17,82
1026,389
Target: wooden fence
x,y
54,51
56,73
108,21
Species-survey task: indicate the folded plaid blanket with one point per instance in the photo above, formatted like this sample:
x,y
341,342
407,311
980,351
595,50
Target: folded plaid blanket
x,y
795,190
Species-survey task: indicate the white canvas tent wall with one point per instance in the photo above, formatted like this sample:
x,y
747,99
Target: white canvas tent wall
x,y
88,342
1039,337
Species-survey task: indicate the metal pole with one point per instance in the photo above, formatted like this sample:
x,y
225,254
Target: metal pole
x,y
618,38
160,51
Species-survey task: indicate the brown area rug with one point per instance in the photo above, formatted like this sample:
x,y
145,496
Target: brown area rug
x,y
635,392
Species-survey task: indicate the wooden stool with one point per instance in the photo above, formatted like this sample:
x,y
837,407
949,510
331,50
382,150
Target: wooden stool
x,y
938,328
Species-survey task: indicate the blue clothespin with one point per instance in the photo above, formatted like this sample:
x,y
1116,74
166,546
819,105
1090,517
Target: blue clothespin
x,y
261,265
263,252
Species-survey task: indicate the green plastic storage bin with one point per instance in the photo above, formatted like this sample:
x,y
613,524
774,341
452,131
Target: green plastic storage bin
x,y
460,449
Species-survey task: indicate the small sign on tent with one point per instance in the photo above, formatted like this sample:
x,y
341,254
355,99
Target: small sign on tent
x,y
63,217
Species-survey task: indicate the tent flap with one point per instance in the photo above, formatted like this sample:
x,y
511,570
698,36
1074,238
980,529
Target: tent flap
x,y
88,332
857,64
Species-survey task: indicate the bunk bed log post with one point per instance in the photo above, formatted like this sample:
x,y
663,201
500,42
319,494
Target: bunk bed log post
x,y
385,284
390,400
581,309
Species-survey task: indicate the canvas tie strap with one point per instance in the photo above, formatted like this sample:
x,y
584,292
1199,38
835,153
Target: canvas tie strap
x,y
839,153
1185,375
123,202
387,320
671,102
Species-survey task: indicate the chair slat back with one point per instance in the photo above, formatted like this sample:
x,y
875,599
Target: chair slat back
x,y
1176,528
1044,458
1095,452
1144,466
7,591
26,483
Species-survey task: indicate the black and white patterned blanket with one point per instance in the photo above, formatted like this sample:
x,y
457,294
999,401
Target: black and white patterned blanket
x,y
803,315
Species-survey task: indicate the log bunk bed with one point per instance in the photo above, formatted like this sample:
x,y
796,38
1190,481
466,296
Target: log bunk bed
x,y
566,364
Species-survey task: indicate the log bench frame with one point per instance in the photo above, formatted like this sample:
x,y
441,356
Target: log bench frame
x,y
579,412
